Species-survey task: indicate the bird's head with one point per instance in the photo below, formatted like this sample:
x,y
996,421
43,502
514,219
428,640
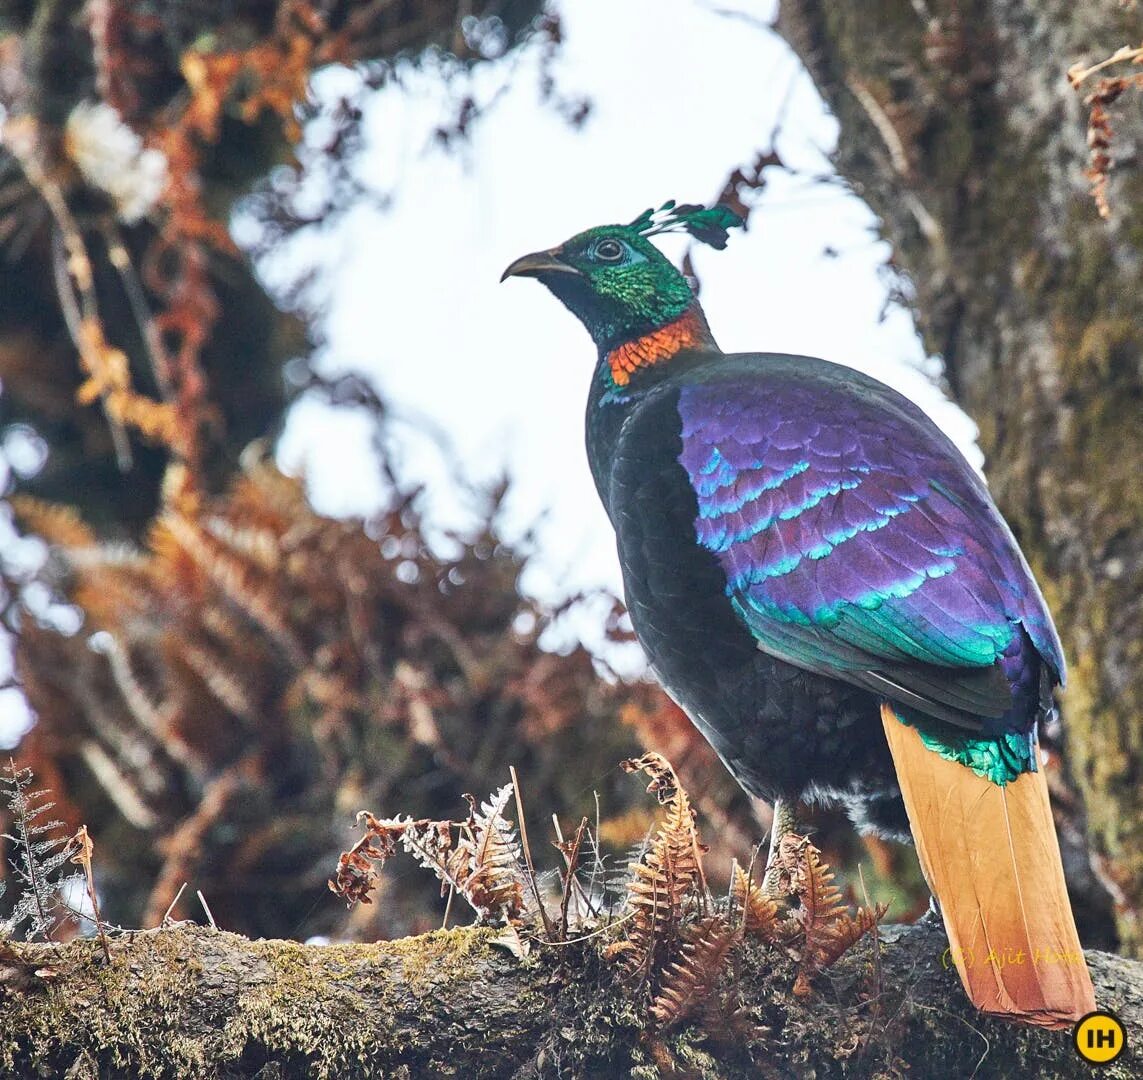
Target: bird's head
x,y
615,281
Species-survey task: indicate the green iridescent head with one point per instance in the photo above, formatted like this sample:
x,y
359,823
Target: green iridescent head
x,y
615,281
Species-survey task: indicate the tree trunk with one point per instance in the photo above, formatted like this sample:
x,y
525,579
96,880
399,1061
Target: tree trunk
x,y
189,1002
960,129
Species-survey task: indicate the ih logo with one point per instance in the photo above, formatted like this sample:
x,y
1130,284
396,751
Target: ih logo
x,y
1099,1038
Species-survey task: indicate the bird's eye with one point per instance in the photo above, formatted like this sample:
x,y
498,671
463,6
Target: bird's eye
x,y
608,251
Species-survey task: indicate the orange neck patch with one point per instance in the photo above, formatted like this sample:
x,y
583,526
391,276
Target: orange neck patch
x,y
688,331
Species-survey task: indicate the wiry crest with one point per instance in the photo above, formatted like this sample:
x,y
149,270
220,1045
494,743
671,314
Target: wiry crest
x,y
709,225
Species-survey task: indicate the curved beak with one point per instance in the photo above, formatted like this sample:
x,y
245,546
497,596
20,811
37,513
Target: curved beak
x,y
537,263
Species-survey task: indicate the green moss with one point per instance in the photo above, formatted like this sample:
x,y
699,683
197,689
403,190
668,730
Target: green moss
x,y
296,1003
126,1019
438,957
350,1011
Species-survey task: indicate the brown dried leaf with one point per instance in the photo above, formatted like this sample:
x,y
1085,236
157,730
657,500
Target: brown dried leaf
x,y
759,912
509,938
669,877
689,981
828,929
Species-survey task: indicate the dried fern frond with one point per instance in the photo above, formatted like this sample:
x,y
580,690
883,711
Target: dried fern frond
x,y
430,843
356,874
484,865
668,879
244,585
812,881
829,929
689,981
721,804
657,891
840,936
759,912
494,884
59,525
667,788
42,851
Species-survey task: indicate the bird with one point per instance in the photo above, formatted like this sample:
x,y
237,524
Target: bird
x,y
825,586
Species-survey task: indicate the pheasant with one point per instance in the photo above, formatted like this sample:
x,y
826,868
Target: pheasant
x,y
825,586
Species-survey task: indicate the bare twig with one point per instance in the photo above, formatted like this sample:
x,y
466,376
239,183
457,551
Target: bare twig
x,y
549,929
569,877
206,908
167,913
82,857
120,258
1077,73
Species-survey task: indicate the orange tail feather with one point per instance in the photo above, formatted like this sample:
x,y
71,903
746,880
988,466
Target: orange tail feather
x,y
990,855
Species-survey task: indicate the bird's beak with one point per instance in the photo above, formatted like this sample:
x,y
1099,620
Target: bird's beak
x,y
536,264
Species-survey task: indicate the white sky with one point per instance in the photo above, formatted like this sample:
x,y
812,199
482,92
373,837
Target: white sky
x,y
681,95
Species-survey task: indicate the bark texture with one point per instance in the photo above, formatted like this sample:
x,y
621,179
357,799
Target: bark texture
x,y
188,1002
959,128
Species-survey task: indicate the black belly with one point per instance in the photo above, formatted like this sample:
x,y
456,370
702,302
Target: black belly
x,y
782,731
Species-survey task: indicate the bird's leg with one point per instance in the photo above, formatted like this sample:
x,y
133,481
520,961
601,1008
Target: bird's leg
x,y
784,824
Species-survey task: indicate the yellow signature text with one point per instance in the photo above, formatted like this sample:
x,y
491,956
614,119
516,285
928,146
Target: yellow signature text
x,y
1008,957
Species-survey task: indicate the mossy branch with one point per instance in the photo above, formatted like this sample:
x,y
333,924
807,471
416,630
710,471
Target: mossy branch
x,y
190,1002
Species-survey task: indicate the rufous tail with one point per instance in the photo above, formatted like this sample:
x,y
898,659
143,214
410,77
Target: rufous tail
x,y
990,856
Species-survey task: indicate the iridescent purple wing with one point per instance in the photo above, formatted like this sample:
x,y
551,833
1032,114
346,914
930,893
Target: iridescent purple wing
x,y
857,542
